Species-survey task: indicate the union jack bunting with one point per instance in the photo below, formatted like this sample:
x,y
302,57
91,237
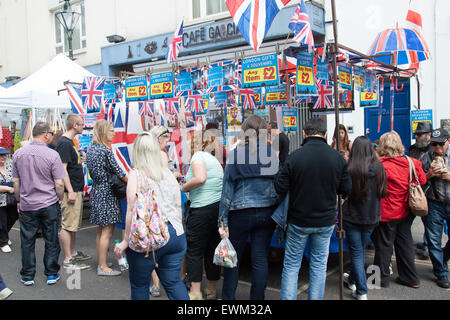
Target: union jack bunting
x,y
248,99
172,106
92,93
109,111
194,104
119,144
175,44
75,99
301,26
189,119
324,100
254,17
146,108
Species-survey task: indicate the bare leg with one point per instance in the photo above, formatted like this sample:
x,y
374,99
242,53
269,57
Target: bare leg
x,y
104,243
65,237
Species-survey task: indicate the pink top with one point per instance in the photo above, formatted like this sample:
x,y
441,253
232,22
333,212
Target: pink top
x,y
37,166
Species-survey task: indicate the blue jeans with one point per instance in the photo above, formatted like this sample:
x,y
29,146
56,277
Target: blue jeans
x,y
437,213
2,284
357,243
296,238
257,223
169,258
49,219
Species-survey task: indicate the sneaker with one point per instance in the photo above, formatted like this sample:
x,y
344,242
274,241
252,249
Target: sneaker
x,y
351,286
6,249
80,256
73,265
27,283
443,282
9,243
51,280
155,291
359,296
112,273
5,293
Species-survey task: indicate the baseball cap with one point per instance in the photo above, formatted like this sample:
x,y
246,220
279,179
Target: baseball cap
x,y
3,151
439,136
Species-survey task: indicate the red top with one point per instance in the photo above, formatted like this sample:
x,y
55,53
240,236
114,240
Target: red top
x,y
395,205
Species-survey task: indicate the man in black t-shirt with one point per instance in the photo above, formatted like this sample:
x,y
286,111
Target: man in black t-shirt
x,y
72,204
282,145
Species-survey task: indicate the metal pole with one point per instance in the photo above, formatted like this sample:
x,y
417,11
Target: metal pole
x,y
69,39
339,233
418,92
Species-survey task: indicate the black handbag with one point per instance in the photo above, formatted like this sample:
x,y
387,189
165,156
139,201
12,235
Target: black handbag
x,y
10,198
118,186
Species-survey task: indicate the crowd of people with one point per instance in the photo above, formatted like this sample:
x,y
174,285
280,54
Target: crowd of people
x,y
235,200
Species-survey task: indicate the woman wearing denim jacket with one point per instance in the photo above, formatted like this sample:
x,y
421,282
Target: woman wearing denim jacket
x,y
248,201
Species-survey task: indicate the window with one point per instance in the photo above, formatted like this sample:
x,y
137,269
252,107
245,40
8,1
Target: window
x,y
204,8
79,34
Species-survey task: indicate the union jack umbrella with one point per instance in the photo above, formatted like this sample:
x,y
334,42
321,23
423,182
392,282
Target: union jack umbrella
x,y
146,108
325,98
175,44
248,99
407,46
172,106
301,26
91,94
254,17
194,104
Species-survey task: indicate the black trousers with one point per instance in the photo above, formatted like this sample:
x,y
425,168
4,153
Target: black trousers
x,y
396,234
202,238
8,217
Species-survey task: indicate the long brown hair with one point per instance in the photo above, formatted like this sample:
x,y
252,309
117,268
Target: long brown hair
x,y
345,143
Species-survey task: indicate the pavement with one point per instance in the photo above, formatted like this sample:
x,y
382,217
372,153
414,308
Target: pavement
x,y
86,285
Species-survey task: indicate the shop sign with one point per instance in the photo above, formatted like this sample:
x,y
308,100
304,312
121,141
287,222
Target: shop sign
x,y
260,71
161,85
210,34
136,89
420,116
276,95
306,84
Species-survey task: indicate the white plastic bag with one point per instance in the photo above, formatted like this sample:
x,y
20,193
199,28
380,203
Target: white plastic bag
x,y
225,255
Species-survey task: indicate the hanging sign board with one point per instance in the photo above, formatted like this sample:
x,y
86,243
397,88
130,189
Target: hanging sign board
x,y
161,85
345,76
276,95
257,93
136,89
306,84
322,70
368,99
109,91
290,116
260,71
359,75
420,116
184,81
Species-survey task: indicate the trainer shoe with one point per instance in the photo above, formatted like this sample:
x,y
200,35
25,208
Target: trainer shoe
x,y
6,249
73,265
27,283
5,293
359,296
51,280
443,282
9,243
351,286
80,256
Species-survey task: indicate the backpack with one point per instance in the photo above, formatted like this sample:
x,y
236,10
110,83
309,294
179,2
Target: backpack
x,y
149,231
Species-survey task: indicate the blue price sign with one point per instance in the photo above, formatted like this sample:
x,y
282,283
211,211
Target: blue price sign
x,y
260,71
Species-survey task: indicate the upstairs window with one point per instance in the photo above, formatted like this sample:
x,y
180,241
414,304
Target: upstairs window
x,y
204,8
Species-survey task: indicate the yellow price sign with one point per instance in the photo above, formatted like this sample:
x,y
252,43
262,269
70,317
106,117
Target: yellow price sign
x,y
368,96
161,88
359,81
345,78
137,92
290,122
260,74
305,76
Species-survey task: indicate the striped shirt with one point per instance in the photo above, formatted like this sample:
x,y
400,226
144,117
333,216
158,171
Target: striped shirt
x,y
442,187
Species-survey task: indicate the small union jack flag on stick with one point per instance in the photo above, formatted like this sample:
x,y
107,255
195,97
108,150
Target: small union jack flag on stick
x,y
175,44
301,26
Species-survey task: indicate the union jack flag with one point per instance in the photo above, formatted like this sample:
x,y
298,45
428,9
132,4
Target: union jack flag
x,y
325,99
172,106
301,26
248,99
189,119
194,104
146,108
92,93
119,144
200,121
75,99
254,17
175,44
109,114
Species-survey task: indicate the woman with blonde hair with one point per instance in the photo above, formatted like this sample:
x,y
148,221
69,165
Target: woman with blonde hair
x,y
148,169
204,184
394,230
162,134
105,207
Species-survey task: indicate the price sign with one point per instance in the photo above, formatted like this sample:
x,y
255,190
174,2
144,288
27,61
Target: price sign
x,y
290,116
136,89
260,71
306,83
161,85
276,95
417,116
345,76
368,99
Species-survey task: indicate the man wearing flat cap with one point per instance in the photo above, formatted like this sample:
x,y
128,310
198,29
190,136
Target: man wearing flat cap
x,y
436,164
422,134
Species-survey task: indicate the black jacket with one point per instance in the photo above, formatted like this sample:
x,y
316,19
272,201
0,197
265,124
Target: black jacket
x,y
416,153
366,213
314,175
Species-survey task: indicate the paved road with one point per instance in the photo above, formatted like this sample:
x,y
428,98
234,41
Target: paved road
x,y
92,287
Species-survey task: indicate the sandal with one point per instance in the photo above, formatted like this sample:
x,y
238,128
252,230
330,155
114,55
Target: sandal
x,y
155,291
210,294
197,297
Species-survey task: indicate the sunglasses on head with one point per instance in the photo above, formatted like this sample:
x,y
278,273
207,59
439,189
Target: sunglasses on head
x,y
435,144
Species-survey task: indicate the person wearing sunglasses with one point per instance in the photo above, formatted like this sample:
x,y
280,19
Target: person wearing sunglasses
x,y
436,165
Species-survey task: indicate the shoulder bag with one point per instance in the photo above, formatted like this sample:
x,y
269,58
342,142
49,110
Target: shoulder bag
x,y
417,200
